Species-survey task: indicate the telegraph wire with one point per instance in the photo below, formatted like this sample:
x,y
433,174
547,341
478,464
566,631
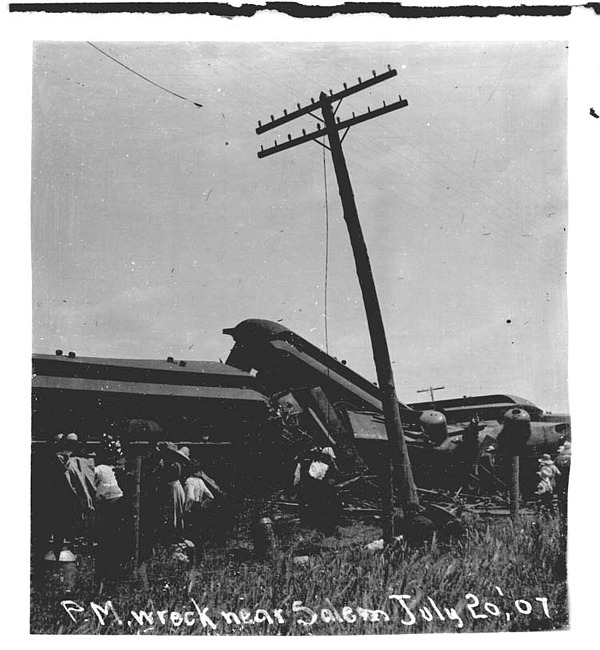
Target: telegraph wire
x,y
141,76
326,254
326,283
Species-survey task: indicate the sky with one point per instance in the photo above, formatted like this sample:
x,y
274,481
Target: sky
x,y
154,225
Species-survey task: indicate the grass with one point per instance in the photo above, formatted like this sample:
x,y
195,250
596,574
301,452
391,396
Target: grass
x,y
466,585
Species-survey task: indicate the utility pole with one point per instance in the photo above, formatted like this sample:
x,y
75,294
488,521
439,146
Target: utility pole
x,y
398,453
430,391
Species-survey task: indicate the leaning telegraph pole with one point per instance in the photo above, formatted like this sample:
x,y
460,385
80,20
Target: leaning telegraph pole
x,y
398,453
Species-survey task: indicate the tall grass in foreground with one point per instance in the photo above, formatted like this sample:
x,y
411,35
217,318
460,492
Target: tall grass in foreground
x,y
499,577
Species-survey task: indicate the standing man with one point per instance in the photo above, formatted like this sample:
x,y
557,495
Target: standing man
x,y
112,548
176,462
315,479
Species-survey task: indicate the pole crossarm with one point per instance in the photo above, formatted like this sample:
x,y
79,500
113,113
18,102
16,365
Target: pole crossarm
x,y
430,391
346,124
319,133
314,105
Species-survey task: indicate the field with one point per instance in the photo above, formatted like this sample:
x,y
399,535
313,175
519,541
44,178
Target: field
x,y
499,576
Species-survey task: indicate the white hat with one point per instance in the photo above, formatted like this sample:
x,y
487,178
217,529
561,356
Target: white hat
x,y
185,452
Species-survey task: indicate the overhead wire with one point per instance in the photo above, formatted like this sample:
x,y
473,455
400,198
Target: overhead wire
x,y
141,76
326,282
325,314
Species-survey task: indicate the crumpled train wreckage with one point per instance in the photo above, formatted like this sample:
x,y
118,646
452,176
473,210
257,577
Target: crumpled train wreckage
x,y
280,406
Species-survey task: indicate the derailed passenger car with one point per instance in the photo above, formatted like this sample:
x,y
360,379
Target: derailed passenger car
x,y
441,452
277,394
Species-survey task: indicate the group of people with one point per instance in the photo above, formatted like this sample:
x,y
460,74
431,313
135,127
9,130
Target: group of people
x,y
115,500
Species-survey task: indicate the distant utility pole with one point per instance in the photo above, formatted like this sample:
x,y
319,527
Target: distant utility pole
x,y
398,453
430,391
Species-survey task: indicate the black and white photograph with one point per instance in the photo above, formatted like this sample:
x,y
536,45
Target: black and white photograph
x,y
299,334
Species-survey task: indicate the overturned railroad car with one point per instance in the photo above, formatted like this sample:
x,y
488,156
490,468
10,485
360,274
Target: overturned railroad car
x,y
224,411
441,452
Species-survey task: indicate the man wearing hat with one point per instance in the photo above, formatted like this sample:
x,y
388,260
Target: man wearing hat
x,y
548,473
81,477
110,512
198,497
176,462
70,489
315,478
